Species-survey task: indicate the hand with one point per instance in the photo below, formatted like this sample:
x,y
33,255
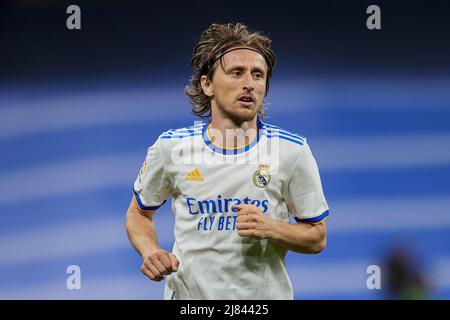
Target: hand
x,y
159,263
252,223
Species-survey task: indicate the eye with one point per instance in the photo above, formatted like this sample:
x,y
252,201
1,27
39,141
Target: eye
x,y
236,73
257,75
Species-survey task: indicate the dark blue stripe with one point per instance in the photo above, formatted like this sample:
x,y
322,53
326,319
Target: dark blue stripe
x,y
173,133
370,184
52,148
285,138
70,144
142,206
365,245
122,262
102,202
279,133
276,129
274,133
184,130
179,137
356,294
341,122
386,183
316,219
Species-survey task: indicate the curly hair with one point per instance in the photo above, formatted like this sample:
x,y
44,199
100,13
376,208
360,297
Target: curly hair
x,y
213,44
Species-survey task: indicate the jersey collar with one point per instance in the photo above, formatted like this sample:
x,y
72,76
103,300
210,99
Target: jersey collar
x,y
230,151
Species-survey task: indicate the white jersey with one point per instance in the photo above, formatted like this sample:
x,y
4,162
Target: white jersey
x,y
276,172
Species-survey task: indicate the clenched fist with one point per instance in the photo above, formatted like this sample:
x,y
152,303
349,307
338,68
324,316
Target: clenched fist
x,y
252,223
159,263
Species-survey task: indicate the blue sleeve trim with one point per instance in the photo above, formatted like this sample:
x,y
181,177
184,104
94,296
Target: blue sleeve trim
x,y
142,206
285,138
315,219
283,132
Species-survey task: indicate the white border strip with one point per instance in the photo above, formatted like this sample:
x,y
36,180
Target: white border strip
x,y
20,115
99,235
119,170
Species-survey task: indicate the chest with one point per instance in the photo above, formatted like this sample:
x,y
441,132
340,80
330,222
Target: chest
x,y
255,180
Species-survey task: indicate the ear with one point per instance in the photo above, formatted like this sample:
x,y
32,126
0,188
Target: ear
x,y
206,86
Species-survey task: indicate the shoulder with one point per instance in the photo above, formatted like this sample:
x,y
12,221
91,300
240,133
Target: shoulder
x,y
174,136
288,145
292,148
171,138
292,140
184,132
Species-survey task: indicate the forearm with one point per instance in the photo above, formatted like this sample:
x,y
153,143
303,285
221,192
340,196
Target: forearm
x,y
299,237
141,231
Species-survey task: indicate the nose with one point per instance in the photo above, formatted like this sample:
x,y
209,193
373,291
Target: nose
x,y
249,83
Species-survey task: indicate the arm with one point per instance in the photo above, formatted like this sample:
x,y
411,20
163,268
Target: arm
x,y
140,228
301,237
303,195
157,262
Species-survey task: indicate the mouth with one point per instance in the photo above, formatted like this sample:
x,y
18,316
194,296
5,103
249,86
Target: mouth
x,y
246,100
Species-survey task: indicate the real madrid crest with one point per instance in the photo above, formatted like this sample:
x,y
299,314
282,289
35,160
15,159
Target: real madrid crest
x,y
261,177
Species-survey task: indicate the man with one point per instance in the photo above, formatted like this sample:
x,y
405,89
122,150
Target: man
x,y
234,181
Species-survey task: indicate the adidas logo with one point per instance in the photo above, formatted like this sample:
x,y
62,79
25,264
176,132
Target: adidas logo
x,y
194,175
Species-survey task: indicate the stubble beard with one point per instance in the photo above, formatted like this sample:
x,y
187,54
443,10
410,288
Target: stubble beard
x,y
239,117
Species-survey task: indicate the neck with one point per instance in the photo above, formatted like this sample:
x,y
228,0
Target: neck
x,y
227,133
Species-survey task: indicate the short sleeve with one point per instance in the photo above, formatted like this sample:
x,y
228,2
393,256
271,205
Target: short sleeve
x,y
304,194
152,186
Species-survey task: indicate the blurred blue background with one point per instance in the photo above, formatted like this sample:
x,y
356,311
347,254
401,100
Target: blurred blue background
x,y
78,110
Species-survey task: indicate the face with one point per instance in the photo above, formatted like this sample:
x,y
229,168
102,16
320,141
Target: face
x,y
238,86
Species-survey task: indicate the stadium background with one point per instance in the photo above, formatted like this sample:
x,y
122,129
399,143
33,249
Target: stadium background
x,y
79,108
